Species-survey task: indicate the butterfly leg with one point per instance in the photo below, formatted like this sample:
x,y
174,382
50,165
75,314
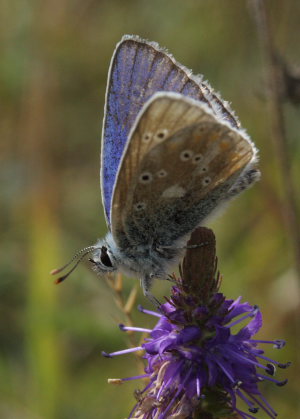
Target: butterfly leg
x,y
244,182
172,279
146,283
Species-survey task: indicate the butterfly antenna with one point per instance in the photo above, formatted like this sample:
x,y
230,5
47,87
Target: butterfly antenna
x,y
81,254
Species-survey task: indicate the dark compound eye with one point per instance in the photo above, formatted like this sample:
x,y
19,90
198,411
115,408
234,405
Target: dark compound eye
x,y
105,259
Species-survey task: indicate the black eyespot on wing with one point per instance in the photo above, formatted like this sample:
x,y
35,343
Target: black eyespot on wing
x,y
105,259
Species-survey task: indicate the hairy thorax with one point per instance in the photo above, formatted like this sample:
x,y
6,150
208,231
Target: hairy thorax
x,y
136,260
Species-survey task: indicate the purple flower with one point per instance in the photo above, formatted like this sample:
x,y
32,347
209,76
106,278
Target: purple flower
x,y
201,358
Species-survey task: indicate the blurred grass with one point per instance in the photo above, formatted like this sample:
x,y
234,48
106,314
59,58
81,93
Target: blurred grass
x,y
41,340
55,57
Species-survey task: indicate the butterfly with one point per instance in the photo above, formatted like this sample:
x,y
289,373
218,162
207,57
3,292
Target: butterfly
x,y
172,152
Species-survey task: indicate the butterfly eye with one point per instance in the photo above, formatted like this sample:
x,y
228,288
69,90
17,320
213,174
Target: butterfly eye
x,y
147,137
185,155
197,158
160,134
104,257
139,206
145,178
206,181
162,173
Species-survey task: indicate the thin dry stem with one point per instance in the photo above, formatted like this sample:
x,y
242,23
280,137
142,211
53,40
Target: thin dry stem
x,y
125,306
131,300
279,137
277,125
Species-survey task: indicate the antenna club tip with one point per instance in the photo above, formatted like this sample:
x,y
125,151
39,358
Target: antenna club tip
x,y
54,271
59,280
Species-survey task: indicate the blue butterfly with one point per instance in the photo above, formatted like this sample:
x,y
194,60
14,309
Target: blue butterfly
x,y
172,153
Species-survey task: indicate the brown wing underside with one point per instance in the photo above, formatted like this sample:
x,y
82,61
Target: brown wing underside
x,y
179,162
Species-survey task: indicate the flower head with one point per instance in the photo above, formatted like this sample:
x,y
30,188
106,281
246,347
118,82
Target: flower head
x,y
202,357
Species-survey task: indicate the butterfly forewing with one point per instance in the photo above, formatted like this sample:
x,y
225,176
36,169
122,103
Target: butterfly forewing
x,y
138,70
179,163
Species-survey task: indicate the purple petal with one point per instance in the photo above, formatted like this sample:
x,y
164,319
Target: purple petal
x,y
188,334
251,329
237,308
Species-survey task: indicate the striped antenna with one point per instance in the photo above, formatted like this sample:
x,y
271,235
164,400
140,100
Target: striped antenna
x,y
81,254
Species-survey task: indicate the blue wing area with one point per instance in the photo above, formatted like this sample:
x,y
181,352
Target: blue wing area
x,y
139,69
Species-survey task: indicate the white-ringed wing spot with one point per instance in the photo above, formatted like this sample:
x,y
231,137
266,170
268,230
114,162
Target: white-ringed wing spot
x,y
186,155
206,181
140,206
197,158
160,135
147,136
175,191
162,173
145,178
201,169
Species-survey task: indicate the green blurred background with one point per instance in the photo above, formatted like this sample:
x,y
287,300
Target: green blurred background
x,y
54,61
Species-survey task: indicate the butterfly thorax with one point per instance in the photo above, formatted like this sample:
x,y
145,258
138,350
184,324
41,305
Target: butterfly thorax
x,y
139,260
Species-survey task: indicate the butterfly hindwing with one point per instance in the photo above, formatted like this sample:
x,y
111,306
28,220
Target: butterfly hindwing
x,y
179,163
138,70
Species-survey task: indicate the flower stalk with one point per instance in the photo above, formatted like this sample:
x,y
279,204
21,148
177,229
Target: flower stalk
x,y
202,358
